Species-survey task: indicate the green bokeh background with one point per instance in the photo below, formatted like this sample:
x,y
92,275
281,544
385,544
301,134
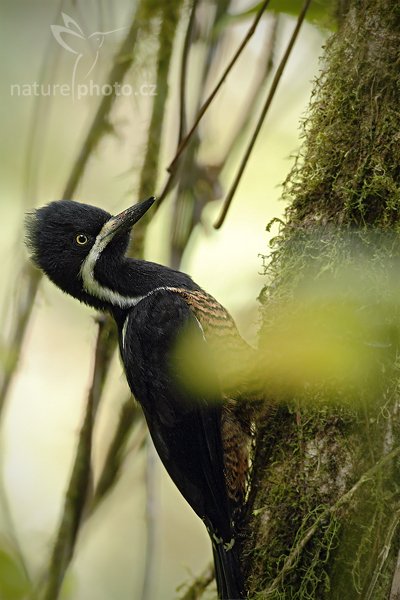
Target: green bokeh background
x,y
46,402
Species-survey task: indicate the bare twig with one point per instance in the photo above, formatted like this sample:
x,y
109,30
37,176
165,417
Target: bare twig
x,y
308,534
130,413
16,546
247,113
149,172
261,119
211,97
170,17
40,117
151,521
199,183
79,483
182,122
100,124
199,585
183,73
395,589
173,167
383,554
22,305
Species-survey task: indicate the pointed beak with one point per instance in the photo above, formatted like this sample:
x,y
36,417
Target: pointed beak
x,y
123,221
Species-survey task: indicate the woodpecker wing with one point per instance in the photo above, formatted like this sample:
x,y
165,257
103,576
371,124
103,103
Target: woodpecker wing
x,y
234,360
184,420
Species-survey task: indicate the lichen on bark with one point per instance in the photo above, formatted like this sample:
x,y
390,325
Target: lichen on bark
x,y
323,508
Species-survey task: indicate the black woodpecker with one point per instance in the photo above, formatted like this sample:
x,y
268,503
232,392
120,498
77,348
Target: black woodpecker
x,y
199,438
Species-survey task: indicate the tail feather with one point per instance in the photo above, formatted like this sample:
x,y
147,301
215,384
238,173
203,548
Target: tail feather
x,y
228,575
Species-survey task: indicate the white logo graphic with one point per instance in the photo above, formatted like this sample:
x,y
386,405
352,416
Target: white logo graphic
x,y
86,47
86,50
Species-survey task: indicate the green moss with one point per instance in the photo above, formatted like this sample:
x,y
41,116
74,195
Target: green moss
x,y
347,171
340,239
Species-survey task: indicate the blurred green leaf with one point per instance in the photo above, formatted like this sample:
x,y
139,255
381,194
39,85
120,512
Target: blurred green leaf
x,y
13,582
339,329
319,13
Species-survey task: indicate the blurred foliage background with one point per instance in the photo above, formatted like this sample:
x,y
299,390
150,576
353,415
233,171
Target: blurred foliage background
x,y
42,138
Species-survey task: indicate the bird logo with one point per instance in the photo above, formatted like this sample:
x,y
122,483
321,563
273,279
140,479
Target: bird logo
x,y
86,48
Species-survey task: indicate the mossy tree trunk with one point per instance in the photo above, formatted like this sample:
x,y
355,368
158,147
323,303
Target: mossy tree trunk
x,y
324,503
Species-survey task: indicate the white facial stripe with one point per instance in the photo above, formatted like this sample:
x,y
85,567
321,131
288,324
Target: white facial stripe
x,y
90,283
93,287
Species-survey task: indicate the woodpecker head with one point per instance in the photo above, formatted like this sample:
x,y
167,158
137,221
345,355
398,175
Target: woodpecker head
x,y
67,240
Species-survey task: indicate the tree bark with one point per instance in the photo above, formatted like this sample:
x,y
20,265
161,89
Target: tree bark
x,y
323,509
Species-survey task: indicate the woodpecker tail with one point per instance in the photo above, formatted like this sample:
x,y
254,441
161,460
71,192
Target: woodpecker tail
x,y
228,574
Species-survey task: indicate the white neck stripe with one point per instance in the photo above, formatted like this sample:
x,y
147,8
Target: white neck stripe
x,y
96,289
93,287
124,328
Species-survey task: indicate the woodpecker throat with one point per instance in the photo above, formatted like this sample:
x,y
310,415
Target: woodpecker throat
x,y
114,227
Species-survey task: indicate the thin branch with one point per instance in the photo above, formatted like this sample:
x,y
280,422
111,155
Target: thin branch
x,y
383,554
260,122
189,201
211,174
40,117
16,546
246,115
196,590
173,167
79,483
170,17
130,414
149,172
100,124
151,521
296,551
395,589
198,183
183,72
22,305
211,97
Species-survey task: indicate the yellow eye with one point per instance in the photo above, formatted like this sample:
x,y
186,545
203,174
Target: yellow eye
x,y
81,239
